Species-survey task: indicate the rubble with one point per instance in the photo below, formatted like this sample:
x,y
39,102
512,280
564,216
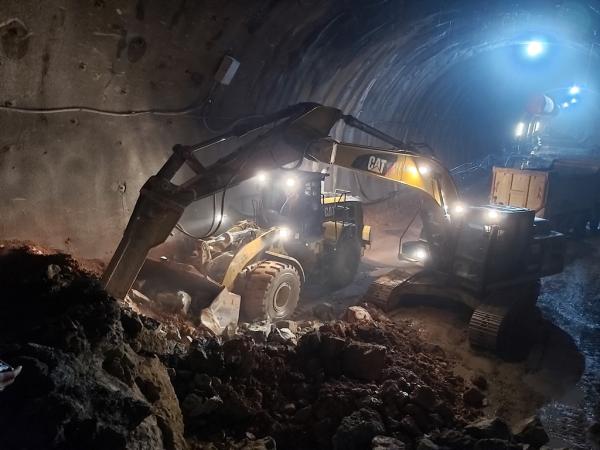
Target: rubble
x,y
82,385
97,374
356,314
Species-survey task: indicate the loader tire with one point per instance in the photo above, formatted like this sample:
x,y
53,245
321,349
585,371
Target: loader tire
x,y
344,263
271,292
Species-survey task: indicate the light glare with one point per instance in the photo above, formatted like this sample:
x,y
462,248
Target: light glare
x,y
520,129
262,177
420,254
574,90
493,215
284,233
459,209
534,49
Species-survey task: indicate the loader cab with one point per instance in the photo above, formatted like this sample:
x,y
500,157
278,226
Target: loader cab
x,y
292,199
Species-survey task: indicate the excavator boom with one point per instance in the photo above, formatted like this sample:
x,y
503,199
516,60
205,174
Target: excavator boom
x,y
298,131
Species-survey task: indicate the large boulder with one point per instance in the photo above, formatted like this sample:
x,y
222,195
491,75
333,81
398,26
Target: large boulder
x,y
494,428
364,361
531,431
357,430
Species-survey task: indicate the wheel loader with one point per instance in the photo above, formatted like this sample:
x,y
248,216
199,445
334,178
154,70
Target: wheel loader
x,y
489,258
297,233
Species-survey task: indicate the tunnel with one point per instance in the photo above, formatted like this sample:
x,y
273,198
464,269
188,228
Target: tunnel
x,y
97,95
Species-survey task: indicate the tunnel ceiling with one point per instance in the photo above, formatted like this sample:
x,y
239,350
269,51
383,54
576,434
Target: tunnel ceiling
x,y
442,72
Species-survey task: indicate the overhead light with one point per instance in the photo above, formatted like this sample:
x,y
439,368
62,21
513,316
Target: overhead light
x,y
573,100
520,129
565,105
574,90
534,48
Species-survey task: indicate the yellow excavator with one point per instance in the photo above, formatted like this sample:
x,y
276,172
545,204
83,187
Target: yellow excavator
x,y
489,258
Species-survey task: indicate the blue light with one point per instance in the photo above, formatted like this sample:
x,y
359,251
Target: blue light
x,y
574,90
573,100
534,48
565,105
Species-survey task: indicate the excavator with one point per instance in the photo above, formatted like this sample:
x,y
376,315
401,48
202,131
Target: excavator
x,y
489,258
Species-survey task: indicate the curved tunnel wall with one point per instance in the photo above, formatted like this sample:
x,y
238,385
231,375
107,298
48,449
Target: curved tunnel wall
x,y
413,69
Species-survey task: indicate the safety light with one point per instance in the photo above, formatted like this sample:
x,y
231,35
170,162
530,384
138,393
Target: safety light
x,y
520,129
534,48
574,90
284,233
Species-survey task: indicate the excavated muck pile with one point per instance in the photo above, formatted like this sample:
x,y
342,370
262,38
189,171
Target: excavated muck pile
x,y
97,375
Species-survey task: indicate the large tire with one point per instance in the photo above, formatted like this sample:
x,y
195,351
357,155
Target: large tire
x,y
344,263
271,292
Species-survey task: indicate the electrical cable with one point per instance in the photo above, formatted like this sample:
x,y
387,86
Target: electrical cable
x,y
194,106
180,228
408,226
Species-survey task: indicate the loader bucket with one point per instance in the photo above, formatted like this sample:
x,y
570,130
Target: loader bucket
x,y
223,311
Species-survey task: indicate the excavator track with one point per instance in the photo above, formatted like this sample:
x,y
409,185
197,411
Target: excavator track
x,y
384,291
485,326
506,330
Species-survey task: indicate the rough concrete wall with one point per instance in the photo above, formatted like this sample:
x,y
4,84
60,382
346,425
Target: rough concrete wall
x,y
70,179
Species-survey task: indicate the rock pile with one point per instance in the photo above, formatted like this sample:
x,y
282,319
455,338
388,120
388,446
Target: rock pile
x,y
99,375
82,384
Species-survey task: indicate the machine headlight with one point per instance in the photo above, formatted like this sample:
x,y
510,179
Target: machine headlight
x,y
459,209
424,169
285,233
262,177
291,182
520,129
420,254
493,216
